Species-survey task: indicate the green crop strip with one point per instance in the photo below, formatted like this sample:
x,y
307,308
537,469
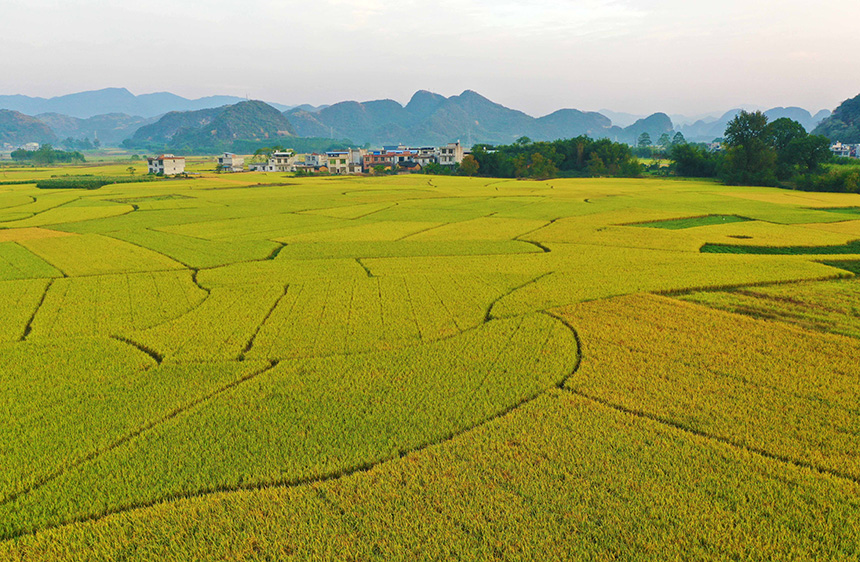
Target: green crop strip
x,y
850,248
693,222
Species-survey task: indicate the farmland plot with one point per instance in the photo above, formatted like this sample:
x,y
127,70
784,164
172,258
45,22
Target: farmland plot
x,y
109,305
296,422
415,367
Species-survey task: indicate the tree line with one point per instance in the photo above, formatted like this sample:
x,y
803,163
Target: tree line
x,y
46,154
757,152
576,157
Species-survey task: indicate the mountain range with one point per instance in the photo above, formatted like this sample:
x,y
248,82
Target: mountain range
x,y
116,116
213,130
84,105
844,124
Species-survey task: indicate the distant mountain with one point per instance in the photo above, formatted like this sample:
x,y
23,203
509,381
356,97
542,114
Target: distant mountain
x,y
430,118
707,131
17,128
208,130
655,125
115,100
844,124
620,118
111,129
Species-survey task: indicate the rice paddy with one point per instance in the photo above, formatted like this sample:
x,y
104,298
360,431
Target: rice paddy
x,y
261,367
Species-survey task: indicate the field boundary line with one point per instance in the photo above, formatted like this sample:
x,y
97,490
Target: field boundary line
x,y
542,248
732,287
29,326
288,483
797,463
488,315
253,337
152,424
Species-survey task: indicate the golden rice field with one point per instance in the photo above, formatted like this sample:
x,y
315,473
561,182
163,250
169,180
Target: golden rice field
x,y
262,367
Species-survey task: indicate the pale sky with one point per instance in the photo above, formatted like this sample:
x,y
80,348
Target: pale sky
x,y
640,56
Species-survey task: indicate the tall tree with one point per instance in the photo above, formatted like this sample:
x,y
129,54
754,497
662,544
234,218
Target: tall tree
x,y
644,140
469,166
750,158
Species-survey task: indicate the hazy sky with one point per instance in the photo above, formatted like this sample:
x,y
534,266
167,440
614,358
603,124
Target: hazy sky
x,y
677,56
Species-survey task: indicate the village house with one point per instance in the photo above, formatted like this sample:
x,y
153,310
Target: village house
x,y
846,150
345,162
450,154
229,162
166,165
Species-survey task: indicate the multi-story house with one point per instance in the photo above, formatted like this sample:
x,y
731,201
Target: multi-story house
x,y
345,161
450,154
166,165
229,162
846,150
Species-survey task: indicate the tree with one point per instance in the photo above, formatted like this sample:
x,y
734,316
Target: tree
x,y
693,161
664,141
523,141
130,170
644,140
679,139
542,168
750,158
596,167
469,166
809,152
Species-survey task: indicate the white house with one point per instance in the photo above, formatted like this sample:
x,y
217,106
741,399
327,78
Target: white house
x,y
845,150
345,161
166,165
450,154
231,163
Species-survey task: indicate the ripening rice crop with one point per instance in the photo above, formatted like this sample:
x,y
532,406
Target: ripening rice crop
x,y
16,262
257,366
734,378
18,303
108,305
297,421
561,478
92,254
832,306
327,317
220,328
196,252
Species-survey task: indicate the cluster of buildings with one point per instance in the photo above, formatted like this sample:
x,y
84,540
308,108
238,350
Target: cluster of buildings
x,y
846,150
342,162
361,161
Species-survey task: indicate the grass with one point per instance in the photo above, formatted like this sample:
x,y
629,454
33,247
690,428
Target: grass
x,y
849,248
255,366
693,222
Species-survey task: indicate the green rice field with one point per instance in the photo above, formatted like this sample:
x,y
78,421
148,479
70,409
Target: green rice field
x,y
261,367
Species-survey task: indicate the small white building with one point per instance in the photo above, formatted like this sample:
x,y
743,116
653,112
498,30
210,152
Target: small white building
x,y
845,150
166,165
229,162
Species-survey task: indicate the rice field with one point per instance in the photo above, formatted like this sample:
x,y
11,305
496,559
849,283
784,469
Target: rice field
x,y
262,367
